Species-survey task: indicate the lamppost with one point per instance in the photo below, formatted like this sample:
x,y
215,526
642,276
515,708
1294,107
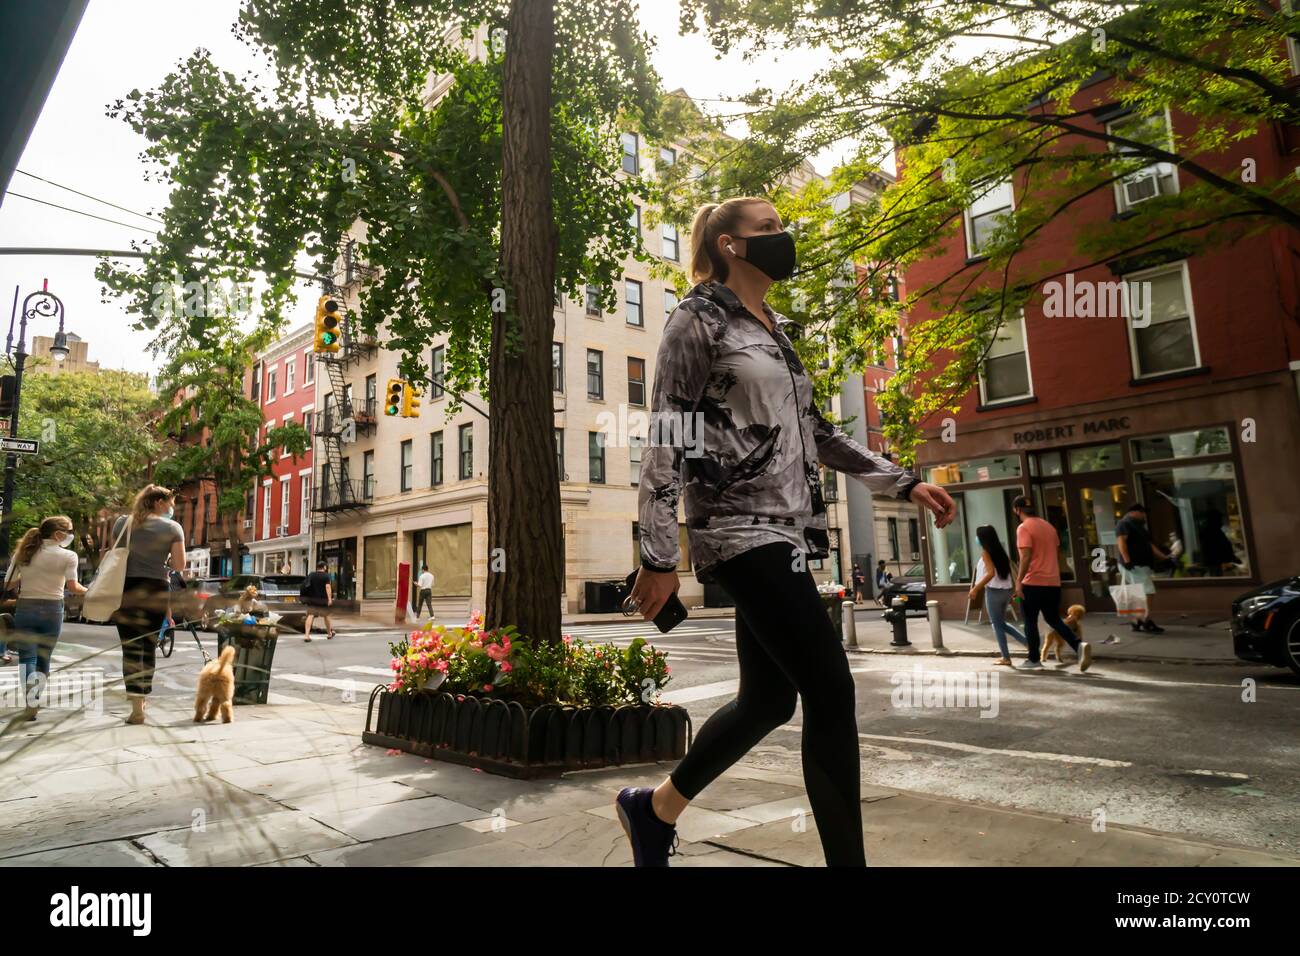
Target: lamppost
x,y
43,304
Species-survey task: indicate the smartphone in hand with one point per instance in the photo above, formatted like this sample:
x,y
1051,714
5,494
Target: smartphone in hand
x,y
670,615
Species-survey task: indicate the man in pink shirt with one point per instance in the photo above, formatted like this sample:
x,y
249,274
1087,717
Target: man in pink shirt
x,y
1038,583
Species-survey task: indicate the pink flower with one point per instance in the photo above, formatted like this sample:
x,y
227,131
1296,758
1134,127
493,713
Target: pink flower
x,y
667,669
568,639
506,667
487,687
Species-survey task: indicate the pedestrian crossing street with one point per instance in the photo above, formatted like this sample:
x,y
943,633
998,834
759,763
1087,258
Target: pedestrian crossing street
x,y
700,643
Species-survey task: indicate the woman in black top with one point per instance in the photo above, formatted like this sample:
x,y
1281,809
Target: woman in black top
x,y
728,375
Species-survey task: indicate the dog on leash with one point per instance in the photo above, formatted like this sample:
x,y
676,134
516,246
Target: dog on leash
x,y
1054,642
216,688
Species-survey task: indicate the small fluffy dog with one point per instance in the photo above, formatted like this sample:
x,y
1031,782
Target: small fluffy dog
x,y
1054,642
216,688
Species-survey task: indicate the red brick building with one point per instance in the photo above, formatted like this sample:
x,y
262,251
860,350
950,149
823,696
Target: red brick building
x,y
277,515
1196,414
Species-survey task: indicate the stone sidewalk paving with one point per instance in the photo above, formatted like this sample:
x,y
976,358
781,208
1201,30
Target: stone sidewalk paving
x,y
291,784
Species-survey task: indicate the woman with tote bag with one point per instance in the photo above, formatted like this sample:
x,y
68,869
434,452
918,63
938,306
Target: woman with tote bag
x,y
42,567
152,539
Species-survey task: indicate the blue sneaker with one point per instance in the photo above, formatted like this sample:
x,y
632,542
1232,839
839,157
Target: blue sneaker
x,y
653,841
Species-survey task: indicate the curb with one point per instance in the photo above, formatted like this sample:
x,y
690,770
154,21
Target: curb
x,y
1125,658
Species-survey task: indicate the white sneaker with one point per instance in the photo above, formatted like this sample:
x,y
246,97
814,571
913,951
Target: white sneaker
x,y
1085,656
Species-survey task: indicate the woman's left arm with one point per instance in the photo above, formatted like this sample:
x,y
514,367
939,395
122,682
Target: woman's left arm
x,y
837,450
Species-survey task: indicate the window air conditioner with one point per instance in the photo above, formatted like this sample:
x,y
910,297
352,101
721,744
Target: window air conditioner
x,y
248,523
1142,186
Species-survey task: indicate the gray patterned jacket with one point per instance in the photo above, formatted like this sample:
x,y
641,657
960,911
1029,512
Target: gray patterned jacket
x,y
745,456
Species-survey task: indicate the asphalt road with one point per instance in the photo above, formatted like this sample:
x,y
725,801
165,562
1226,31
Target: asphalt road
x,y
1173,748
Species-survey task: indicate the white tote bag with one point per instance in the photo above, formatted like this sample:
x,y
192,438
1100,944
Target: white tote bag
x,y
1130,600
104,595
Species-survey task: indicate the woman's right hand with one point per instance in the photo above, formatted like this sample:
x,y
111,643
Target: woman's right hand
x,y
652,589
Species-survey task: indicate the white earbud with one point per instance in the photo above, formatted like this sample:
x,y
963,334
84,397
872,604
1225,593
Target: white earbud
x,y
731,249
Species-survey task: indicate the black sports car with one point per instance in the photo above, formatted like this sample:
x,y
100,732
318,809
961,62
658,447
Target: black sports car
x,y
1266,624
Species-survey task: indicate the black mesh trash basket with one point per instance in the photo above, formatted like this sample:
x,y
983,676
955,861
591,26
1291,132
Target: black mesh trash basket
x,y
254,651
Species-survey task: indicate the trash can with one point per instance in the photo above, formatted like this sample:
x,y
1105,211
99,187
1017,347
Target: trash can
x,y
254,651
603,597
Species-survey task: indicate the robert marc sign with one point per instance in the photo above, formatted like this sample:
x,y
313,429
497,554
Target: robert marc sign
x,y
1054,433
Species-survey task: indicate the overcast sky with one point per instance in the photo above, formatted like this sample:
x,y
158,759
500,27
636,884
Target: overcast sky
x,y
126,44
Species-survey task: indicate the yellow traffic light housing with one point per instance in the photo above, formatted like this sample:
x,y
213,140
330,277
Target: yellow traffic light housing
x,y
329,324
394,397
410,401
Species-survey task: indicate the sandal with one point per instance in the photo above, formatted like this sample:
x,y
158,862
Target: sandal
x,y
307,638
1003,662
329,636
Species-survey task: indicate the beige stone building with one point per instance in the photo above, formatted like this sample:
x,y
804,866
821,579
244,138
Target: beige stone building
x,y
77,359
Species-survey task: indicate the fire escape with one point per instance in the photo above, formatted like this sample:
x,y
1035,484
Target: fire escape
x,y
335,492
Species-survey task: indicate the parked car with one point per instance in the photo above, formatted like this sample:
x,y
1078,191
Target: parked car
x,y
1266,624
910,585
279,592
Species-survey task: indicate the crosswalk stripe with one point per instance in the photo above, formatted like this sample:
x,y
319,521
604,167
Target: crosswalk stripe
x,y
359,669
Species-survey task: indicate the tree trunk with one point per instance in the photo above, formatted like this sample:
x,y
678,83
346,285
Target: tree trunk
x,y
525,550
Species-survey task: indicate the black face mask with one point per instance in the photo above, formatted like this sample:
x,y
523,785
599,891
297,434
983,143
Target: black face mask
x,y
773,254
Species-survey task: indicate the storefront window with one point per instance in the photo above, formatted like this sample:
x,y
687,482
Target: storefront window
x,y
954,550
448,551
977,469
380,577
1096,458
1195,444
1195,511
1045,464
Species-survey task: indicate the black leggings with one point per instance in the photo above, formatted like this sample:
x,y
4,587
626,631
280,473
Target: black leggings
x,y
786,645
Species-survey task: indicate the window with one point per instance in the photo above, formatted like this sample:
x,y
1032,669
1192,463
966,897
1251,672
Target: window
x,y
379,578
304,500
631,150
270,386
593,302
633,295
367,475
1156,179
249,505
1194,444
559,453
893,539
284,449
288,376
914,537
670,302
557,367
1162,329
634,220
372,394
596,456
284,503
1095,458
672,246
634,446
256,392
437,368
954,550
407,465
983,217
308,420
308,368
635,381
435,459
667,156
266,509
467,451
595,374
1198,507
976,469
1004,374
1051,507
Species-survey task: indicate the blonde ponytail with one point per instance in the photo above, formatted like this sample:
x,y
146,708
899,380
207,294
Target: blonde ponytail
x,y
713,220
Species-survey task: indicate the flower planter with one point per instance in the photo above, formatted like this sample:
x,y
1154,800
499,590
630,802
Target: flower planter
x,y
505,738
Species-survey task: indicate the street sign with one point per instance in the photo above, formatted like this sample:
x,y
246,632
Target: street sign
x,y
20,446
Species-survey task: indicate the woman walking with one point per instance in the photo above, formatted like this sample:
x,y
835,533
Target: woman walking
x,y
42,567
755,515
993,578
155,540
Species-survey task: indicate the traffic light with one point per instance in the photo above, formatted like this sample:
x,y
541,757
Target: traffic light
x,y
410,401
393,402
329,324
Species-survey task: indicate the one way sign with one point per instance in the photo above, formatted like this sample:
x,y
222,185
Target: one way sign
x,y
20,446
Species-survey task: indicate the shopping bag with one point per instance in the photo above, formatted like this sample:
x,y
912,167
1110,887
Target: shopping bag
x,y
1130,600
104,595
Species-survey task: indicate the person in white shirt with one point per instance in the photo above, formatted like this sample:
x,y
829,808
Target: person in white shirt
x,y
993,577
425,584
42,566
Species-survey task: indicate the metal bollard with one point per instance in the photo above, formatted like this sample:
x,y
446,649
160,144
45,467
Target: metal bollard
x,y
848,624
936,629
897,615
